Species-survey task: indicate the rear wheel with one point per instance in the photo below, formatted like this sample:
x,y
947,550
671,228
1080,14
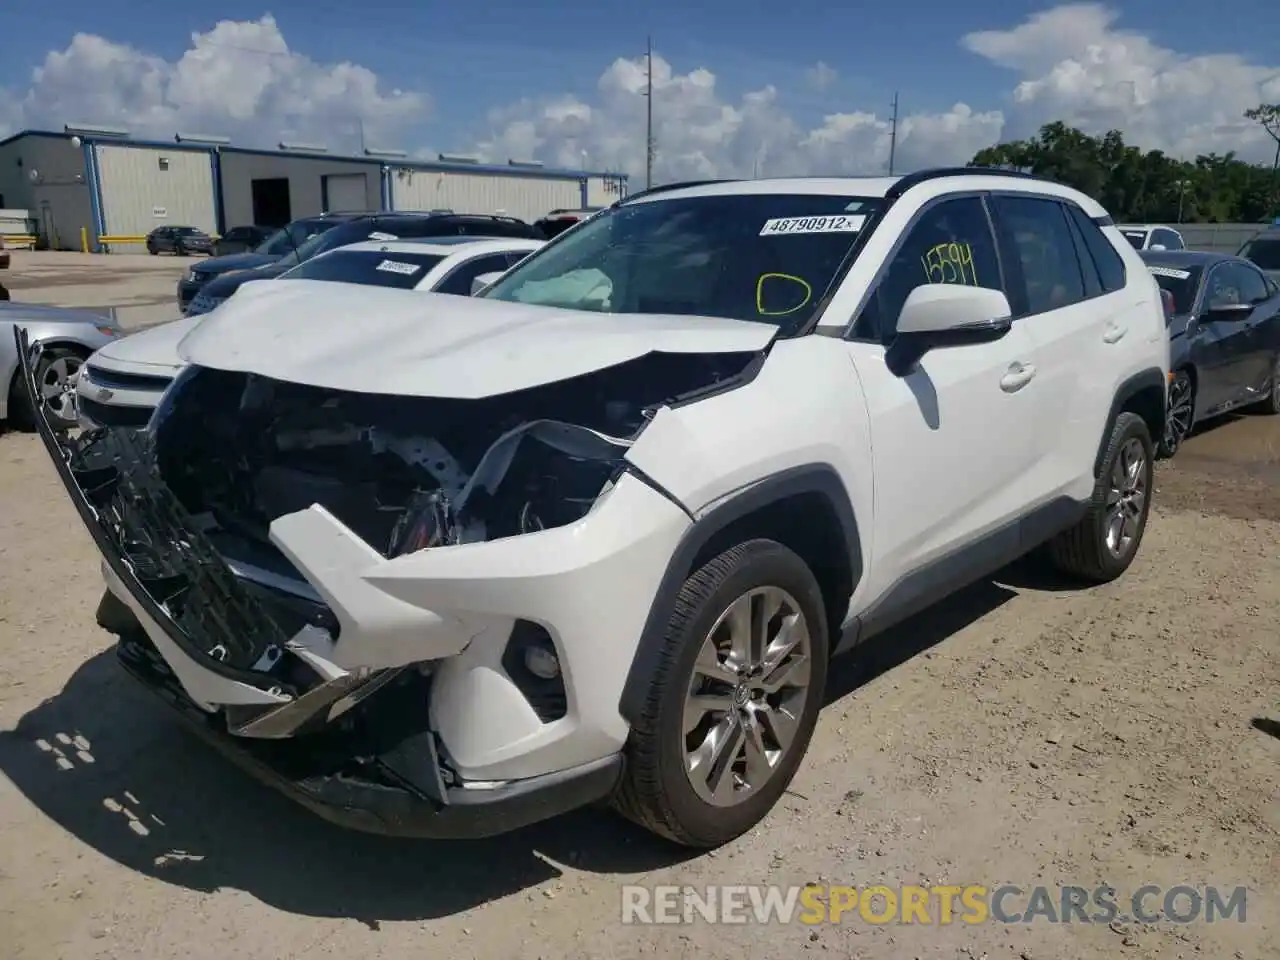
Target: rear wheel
x,y
1102,545
1271,405
1180,416
730,712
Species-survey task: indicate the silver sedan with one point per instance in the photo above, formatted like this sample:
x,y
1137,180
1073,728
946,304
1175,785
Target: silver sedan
x,y
68,337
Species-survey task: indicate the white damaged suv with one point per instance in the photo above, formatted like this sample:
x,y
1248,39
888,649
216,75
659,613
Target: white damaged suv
x,y
473,562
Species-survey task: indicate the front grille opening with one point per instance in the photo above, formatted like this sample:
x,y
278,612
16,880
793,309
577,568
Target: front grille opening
x,y
108,415
533,664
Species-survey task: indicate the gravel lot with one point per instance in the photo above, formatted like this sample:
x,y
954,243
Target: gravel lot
x,y
1021,733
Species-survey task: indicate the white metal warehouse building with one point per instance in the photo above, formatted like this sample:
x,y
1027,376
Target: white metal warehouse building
x,y
109,184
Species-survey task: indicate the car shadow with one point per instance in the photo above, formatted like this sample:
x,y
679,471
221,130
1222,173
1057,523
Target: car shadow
x,y
878,655
106,761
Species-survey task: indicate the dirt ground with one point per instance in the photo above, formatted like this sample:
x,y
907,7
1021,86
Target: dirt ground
x,y
1021,733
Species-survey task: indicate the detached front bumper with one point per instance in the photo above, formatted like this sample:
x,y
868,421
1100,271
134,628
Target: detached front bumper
x,y
416,726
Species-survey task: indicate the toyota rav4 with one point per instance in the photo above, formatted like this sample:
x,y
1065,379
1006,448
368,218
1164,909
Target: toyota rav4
x,y
596,533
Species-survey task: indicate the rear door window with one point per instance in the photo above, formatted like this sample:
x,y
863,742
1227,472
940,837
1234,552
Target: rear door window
x,y
1105,257
1034,232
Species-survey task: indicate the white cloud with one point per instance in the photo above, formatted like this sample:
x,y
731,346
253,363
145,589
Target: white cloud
x,y
239,79
1073,62
1077,66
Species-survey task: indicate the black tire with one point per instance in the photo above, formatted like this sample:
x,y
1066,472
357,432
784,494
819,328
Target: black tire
x,y
152,250
655,791
1182,393
1271,405
1082,551
20,413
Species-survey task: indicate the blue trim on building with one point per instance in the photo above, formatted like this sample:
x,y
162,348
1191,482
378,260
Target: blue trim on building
x,y
583,192
386,189
428,166
95,194
219,209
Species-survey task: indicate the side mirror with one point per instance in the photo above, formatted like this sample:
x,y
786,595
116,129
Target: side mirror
x,y
1229,312
940,315
482,281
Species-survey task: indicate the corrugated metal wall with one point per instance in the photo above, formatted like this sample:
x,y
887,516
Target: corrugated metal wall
x,y
602,191
1217,237
305,176
58,200
148,187
528,198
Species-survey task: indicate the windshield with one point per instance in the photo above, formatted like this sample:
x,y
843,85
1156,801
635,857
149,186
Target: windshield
x,y
762,257
1180,284
1136,238
1263,252
286,239
374,268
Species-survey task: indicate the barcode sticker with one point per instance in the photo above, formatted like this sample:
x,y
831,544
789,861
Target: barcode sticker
x,y
395,266
842,223
1170,272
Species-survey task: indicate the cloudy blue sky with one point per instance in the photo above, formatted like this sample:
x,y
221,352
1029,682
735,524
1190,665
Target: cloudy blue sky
x,y
796,88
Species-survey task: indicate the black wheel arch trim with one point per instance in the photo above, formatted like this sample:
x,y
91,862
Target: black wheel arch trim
x,y
1152,377
816,478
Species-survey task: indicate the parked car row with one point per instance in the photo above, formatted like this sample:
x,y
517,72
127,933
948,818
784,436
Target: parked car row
x,y
122,383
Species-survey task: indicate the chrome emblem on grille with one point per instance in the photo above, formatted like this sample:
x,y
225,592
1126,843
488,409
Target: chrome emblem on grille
x,y
105,394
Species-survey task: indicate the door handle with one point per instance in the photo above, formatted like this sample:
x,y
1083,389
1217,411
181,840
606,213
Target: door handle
x,y
1017,377
1114,333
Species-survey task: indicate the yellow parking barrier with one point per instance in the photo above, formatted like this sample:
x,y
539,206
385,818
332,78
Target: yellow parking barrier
x,y
107,239
18,241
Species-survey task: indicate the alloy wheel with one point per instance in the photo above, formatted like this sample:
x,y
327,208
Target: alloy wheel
x,y
748,691
58,387
1181,411
1126,497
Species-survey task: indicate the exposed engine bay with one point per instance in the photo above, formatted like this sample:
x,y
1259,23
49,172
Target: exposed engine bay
x,y
408,473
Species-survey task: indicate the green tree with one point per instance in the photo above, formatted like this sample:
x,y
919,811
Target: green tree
x,y
1143,186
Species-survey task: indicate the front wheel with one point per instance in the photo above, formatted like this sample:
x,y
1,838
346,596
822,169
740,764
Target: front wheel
x,y
55,377
1180,416
1102,545
732,707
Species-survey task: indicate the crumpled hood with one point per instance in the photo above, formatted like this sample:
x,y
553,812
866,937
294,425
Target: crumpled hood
x,y
403,342
234,261
156,346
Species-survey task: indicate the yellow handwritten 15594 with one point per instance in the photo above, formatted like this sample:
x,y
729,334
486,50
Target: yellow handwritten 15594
x,y
950,263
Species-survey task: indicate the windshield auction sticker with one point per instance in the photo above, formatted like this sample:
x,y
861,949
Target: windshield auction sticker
x,y
395,266
843,223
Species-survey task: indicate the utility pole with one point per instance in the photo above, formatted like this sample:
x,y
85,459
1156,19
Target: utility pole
x,y
648,137
893,132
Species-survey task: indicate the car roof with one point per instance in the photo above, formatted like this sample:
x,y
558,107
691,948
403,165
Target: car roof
x,y
936,182
443,246
1184,258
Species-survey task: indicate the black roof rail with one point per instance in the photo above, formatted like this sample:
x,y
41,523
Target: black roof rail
x,y
679,185
937,173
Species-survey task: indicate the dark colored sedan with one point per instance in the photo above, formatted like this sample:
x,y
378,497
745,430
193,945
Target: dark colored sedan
x,y
280,244
1264,251
180,241
1224,338
241,239
358,227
